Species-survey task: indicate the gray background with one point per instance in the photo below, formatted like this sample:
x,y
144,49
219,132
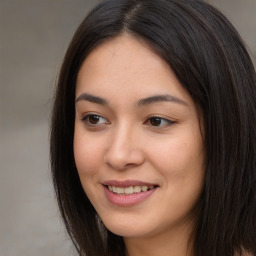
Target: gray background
x,y
34,35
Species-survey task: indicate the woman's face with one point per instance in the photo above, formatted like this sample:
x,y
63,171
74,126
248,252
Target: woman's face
x,y
137,143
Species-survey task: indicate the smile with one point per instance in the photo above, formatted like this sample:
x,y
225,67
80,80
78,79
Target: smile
x,y
128,193
129,190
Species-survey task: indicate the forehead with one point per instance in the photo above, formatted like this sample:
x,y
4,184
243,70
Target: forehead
x,y
122,53
125,66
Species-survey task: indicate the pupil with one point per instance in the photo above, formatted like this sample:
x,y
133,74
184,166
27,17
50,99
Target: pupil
x,y
94,119
155,121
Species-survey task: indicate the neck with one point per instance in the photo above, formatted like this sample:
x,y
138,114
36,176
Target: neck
x,y
175,243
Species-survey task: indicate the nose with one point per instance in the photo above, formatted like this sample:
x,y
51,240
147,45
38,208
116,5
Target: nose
x,y
124,149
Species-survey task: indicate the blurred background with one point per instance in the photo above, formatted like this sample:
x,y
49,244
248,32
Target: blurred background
x,y
34,35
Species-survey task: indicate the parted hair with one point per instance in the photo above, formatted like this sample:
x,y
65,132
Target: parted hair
x,y
210,60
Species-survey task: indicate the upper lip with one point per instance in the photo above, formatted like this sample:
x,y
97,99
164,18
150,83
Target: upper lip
x,y
127,183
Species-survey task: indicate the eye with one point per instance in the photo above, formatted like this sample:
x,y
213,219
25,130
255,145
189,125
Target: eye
x,y
94,120
159,121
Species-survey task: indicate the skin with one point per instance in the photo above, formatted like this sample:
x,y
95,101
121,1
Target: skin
x,y
124,142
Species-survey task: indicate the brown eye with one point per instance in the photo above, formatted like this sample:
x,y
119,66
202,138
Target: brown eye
x,y
155,121
93,119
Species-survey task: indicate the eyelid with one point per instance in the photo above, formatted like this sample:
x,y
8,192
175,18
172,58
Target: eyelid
x,y
87,115
168,121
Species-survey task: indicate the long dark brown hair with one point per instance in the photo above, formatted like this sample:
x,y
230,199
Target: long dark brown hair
x,y
211,62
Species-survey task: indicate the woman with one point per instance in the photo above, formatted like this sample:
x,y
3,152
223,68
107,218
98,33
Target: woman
x,y
153,138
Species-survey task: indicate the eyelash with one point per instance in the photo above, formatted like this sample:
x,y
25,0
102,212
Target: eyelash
x,y
161,119
86,120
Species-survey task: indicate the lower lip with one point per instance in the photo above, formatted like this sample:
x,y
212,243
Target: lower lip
x,y
127,200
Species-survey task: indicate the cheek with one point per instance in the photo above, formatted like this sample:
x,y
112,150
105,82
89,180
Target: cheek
x,y
180,160
182,167
88,158
177,154
87,154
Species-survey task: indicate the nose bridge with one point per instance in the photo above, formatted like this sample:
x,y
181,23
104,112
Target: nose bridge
x,y
124,149
122,135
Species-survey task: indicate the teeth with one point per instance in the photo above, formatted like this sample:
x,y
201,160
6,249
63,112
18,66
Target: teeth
x,y
144,188
129,190
119,190
137,189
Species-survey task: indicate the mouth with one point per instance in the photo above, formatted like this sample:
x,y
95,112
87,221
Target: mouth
x,y
130,189
128,193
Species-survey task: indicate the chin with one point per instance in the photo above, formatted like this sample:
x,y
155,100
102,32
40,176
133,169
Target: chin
x,y
128,232
127,228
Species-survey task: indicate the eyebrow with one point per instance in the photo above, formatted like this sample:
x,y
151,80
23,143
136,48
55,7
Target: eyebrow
x,y
92,98
142,102
161,98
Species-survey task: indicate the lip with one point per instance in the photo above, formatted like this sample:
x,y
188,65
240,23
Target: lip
x,y
127,183
127,200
